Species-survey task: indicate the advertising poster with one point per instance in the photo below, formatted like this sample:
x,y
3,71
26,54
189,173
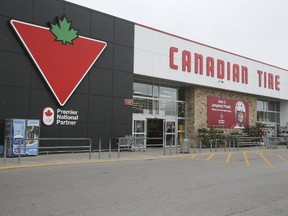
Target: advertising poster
x,y
32,133
22,129
18,133
227,113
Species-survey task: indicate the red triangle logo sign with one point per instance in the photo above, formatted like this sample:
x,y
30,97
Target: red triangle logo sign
x,y
62,57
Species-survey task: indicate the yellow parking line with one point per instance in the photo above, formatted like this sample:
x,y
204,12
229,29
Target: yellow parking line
x,y
210,156
84,162
42,165
247,161
266,161
228,157
193,156
283,159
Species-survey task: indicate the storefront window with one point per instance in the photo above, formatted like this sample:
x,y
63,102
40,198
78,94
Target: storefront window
x,y
165,103
272,106
261,116
165,100
278,107
278,117
142,89
268,111
265,105
141,105
181,125
260,105
155,107
181,109
167,108
156,91
168,93
182,94
271,117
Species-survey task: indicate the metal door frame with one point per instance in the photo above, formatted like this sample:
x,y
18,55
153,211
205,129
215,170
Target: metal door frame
x,y
144,117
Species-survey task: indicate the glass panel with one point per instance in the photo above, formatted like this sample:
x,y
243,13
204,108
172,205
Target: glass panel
x,y
260,116
271,117
140,139
180,137
156,91
260,105
181,124
277,106
168,93
271,106
167,108
156,107
268,111
141,105
265,105
181,109
139,126
278,118
170,127
142,89
155,131
170,139
182,94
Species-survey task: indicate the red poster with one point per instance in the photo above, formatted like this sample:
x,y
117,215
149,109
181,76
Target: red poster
x,y
227,113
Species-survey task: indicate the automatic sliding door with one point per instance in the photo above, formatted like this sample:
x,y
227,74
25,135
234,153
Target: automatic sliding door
x,y
155,132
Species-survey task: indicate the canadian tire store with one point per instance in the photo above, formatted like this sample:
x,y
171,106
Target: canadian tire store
x,y
111,77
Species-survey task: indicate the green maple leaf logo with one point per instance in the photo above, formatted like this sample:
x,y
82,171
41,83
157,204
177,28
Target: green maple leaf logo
x,y
64,32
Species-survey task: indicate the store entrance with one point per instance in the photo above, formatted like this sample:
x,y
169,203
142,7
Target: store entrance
x,y
155,130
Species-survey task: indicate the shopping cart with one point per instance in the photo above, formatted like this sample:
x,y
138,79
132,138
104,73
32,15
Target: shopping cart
x,y
125,143
271,142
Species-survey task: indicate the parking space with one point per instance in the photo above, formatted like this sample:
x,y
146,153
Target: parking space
x,y
273,159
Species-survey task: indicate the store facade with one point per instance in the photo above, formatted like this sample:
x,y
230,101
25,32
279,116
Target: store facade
x,y
141,82
213,85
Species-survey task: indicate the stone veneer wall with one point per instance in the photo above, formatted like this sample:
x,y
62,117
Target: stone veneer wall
x,y
196,112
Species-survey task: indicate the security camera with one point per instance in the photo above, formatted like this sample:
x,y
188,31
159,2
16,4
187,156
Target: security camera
x,y
221,81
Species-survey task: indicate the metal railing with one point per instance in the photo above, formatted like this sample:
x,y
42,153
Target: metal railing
x,y
143,145
237,142
250,141
273,142
24,147
230,142
213,144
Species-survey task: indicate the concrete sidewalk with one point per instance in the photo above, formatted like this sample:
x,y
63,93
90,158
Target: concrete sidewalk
x,y
83,157
113,156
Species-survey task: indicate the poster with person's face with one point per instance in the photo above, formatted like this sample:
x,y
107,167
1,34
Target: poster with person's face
x,y
227,113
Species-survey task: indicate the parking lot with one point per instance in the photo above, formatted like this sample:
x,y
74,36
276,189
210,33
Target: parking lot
x,y
273,159
148,183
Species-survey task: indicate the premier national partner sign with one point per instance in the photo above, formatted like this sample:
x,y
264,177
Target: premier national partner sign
x,y
227,113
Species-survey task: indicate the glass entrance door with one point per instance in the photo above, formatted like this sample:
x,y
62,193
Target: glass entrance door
x,y
170,133
139,131
155,131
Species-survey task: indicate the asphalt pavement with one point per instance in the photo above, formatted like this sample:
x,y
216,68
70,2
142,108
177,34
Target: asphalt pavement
x,y
249,182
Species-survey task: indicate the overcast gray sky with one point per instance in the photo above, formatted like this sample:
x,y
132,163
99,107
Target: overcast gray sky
x,y
256,29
